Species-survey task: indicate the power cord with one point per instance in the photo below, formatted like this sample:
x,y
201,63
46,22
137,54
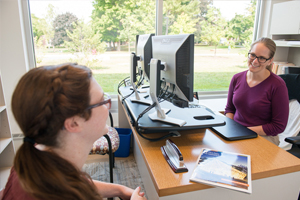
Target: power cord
x,y
136,125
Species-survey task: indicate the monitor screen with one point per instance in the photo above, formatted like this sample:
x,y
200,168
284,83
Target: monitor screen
x,y
144,52
176,53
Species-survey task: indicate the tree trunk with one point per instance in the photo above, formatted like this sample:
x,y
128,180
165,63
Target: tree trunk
x,y
128,45
216,50
119,46
114,46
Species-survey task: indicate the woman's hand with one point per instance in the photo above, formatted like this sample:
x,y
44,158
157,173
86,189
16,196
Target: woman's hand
x,y
138,195
130,194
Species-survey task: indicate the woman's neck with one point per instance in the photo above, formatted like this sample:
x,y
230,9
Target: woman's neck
x,y
254,79
74,149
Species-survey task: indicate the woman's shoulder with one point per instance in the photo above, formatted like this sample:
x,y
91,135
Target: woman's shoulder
x,y
13,188
239,75
276,80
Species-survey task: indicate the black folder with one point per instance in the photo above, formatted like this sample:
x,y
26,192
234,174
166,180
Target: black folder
x,y
232,130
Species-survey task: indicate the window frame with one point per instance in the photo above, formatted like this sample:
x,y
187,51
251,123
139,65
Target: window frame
x,y
30,55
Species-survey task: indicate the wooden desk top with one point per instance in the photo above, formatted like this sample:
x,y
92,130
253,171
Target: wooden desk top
x,y
267,159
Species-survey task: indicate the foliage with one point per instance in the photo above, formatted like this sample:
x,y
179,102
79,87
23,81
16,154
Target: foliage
x,y
204,5
39,49
42,27
85,44
213,28
83,39
61,24
122,20
181,16
241,26
141,20
37,26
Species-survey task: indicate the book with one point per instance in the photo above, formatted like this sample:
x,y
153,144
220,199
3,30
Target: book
x,y
274,68
281,67
223,169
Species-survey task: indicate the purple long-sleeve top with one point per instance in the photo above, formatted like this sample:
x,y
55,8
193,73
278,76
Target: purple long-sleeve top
x,y
265,104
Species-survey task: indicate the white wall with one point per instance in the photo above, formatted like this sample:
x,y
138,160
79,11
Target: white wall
x,y
12,57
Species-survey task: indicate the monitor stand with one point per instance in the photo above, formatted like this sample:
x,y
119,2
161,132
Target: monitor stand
x,y
138,99
160,114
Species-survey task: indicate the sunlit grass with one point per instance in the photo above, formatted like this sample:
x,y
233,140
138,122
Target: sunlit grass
x,y
211,72
203,81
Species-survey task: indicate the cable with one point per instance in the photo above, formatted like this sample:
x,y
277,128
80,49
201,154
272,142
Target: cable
x,y
160,99
136,125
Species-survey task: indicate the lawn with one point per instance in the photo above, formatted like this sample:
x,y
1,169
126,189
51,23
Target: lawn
x,y
212,72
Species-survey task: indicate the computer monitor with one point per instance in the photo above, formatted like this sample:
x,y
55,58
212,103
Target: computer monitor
x,y
141,59
176,53
144,52
172,73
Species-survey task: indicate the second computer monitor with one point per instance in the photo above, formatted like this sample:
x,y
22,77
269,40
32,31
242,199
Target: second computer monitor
x,y
144,52
176,52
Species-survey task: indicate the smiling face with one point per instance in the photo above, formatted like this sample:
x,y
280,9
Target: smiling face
x,y
259,50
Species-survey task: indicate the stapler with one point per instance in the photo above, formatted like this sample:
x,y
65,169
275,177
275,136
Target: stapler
x,y
173,156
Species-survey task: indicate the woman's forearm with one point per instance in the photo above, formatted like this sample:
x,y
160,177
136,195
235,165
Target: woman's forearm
x,y
258,129
229,115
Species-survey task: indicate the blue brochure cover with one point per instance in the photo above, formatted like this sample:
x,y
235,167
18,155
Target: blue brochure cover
x,y
223,169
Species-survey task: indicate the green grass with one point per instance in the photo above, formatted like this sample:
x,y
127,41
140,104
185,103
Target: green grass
x,y
212,81
203,81
110,82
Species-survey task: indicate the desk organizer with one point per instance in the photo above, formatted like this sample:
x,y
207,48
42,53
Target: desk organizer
x,y
125,141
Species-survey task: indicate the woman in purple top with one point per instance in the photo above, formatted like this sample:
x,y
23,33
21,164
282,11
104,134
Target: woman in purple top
x,y
258,98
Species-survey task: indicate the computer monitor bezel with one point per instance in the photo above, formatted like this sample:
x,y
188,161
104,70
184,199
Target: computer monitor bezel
x,y
176,51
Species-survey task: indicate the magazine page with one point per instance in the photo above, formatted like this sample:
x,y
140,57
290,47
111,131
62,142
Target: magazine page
x,y
223,169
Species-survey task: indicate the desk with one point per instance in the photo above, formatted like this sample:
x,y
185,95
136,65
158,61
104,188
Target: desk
x,y
275,172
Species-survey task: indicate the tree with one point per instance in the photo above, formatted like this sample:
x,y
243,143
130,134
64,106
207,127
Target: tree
x,y
242,25
140,20
48,29
204,5
85,44
37,26
84,40
183,24
43,26
121,20
181,16
62,23
213,28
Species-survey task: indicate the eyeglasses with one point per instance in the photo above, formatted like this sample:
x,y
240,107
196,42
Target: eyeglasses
x,y
106,101
252,56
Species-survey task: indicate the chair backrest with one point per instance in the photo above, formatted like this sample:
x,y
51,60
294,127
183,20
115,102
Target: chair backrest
x,y
292,70
111,119
292,82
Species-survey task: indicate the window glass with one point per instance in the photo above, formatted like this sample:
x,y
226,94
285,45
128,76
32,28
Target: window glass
x,y
223,33
101,34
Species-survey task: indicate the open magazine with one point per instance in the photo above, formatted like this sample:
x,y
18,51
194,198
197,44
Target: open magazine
x,y
223,169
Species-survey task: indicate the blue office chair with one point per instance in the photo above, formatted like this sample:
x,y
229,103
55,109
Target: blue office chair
x,y
293,84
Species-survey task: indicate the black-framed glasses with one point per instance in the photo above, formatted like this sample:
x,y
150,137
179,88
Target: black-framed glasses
x,y
106,101
252,56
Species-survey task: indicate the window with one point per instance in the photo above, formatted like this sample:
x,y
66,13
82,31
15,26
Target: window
x,y
101,35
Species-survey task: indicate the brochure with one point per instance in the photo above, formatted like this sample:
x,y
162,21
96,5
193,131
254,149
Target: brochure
x,y
223,169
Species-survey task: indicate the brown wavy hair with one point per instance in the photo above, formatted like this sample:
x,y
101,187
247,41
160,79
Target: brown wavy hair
x,y
270,44
43,99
